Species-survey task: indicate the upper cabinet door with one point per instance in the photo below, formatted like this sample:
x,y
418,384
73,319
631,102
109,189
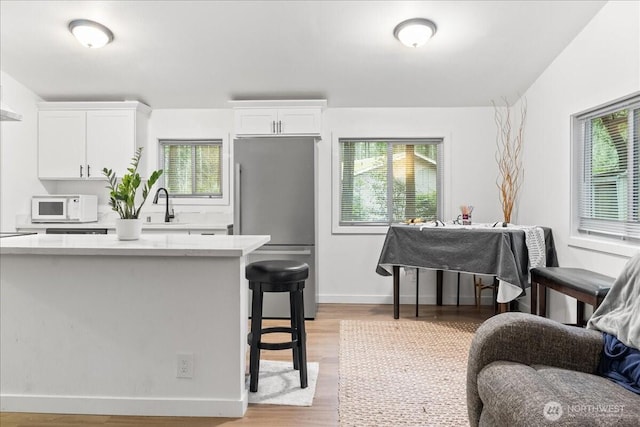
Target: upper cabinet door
x,y
299,121
277,121
110,141
76,140
256,121
61,144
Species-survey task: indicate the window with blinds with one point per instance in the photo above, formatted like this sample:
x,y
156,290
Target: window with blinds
x,y
389,180
192,168
608,180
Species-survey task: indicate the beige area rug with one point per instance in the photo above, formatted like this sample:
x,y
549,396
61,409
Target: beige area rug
x,y
403,373
279,384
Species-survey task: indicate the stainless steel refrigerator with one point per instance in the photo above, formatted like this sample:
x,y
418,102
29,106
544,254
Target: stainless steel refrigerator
x,y
274,194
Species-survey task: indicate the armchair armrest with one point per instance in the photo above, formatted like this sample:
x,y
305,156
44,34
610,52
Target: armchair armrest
x,y
530,340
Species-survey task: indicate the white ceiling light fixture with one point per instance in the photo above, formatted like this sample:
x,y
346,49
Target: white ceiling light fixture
x,y
90,34
415,32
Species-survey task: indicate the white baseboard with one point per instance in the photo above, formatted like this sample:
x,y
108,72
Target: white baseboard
x,y
85,405
404,299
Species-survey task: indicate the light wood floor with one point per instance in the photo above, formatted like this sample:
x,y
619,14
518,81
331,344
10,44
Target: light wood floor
x,y
322,347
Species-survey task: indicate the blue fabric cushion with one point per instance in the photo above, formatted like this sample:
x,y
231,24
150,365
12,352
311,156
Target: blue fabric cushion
x,y
620,363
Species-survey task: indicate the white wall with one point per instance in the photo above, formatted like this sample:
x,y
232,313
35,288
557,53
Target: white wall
x,y
18,152
601,64
347,263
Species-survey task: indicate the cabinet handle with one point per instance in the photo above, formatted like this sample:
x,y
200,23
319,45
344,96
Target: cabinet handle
x,y
273,126
88,171
80,171
279,126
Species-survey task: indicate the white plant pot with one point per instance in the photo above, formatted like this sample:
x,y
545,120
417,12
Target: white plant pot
x,y
128,229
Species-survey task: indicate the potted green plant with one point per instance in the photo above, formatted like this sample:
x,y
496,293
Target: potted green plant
x,y
122,197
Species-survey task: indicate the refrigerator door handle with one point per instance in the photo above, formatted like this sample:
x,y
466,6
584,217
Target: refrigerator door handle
x,y
236,206
303,252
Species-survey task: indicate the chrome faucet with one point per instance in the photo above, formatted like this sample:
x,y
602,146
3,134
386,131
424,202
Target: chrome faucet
x,y
167,216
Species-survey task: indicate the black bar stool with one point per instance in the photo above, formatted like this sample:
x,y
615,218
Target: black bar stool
x,y
278,276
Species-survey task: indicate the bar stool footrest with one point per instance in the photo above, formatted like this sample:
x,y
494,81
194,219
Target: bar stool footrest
x,y
275,345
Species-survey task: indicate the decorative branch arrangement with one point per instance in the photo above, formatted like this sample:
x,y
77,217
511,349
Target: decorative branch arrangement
x,y
508,155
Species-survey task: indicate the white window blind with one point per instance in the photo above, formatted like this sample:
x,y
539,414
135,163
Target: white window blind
x,y
608,168
389,180
192,168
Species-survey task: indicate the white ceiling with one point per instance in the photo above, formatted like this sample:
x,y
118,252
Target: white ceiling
x,y
201,54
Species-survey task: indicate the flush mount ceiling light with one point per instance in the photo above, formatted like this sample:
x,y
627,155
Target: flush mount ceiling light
x,y
414,32
90,34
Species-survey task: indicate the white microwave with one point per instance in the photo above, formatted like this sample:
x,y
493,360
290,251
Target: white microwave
x,y
64,208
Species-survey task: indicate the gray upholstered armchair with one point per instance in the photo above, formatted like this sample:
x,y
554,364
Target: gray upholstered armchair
x,y
526,370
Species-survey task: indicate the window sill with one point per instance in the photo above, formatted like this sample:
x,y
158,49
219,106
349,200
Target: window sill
x,y
198,201
372,229
604,245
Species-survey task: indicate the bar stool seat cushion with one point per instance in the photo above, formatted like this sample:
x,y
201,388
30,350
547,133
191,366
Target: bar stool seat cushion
x,y
277,271
586,281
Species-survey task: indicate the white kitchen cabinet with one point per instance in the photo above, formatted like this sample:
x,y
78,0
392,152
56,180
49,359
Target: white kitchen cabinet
x,y
299,121
61,144
209,231
111,140
278,118
77,140
179,229
168,230
256,121
271,121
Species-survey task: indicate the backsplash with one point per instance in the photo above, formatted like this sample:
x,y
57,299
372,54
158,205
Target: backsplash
x,y
155,213
184,213
181,216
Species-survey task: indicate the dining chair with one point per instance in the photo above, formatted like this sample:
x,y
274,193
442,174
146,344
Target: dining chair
x,y
480,286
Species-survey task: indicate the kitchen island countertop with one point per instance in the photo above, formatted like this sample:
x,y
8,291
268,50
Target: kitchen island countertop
x,y
147,245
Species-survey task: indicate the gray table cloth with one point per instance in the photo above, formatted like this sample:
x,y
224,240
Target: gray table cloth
x,y
500,252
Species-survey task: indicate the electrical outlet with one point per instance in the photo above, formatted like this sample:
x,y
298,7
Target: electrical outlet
x,y
184,365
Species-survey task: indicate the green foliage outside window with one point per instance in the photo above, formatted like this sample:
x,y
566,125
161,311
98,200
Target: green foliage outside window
x,y
192,168
610,139
369,168
426,204
609,154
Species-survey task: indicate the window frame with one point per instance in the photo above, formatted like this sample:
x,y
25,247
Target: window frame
x,y
594,240
337,227
194,200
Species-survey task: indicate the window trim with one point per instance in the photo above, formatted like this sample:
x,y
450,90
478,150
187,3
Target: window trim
x,y
336,227
577,238
224,200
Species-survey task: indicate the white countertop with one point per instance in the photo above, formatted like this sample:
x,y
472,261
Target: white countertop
x,y
111,225
147,245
